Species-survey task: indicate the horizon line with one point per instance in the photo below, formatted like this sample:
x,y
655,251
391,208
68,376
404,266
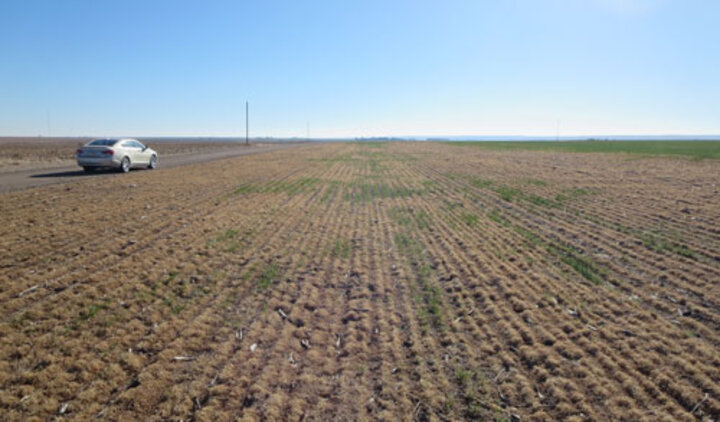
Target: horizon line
x,y
597,137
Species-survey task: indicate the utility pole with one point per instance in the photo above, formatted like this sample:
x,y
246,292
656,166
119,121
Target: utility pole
x,y
557,131
47,118
247,123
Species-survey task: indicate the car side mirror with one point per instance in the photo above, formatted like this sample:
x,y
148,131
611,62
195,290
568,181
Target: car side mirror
x,y
145,147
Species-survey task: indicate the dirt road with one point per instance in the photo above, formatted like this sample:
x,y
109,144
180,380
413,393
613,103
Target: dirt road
x,y
23,179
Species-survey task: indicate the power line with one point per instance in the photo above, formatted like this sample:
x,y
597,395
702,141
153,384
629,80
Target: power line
x,y
557,132
49,126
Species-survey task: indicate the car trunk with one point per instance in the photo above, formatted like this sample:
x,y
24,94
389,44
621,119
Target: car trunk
x,y
95,152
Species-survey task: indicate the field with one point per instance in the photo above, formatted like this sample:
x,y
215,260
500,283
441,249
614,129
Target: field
x,y
392,281
693,149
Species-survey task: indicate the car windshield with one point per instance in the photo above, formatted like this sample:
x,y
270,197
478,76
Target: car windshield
x,y
102,143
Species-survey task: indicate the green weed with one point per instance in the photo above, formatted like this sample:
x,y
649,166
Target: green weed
x,y
473,387
92,311
527,234
249,188
498,218
508,193
410,217
536,182
290,187
170,278
480,183
463,376
653,241
584,265
175,309
571,194
341,248
658,244
540,201
407,244
268,276
469,218
367,191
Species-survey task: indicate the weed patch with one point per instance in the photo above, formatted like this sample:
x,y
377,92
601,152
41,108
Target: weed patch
x,y
92,311
536,182
498,218
429,295
571,194
366,192
341,249
473,387
469,218
480,183
508,193
268,276
227,235
658,244
583,265
291,187
410,217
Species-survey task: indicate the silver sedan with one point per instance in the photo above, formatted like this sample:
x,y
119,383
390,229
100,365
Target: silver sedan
x,y
122,154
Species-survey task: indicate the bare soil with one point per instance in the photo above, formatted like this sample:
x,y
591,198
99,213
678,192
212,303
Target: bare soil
x,y
407,281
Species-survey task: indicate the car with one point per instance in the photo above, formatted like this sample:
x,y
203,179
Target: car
x,y
122,154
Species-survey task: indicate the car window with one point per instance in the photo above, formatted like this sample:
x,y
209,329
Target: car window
x,y
103,143
139,145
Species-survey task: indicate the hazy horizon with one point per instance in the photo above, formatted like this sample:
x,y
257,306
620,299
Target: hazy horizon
x,y
452,138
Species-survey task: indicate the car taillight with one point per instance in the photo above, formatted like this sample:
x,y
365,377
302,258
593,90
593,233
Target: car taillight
x,y
78,152
108,152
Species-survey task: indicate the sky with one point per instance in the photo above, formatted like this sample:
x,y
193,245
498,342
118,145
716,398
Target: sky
x,y
359,68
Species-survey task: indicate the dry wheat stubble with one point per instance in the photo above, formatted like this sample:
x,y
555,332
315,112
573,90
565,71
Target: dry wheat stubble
x,y
391,281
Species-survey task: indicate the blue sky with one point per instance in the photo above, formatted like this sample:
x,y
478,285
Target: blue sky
x,y
359,68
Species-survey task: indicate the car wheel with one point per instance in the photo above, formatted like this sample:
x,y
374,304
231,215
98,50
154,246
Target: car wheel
x,y
89,169
125,165
153,162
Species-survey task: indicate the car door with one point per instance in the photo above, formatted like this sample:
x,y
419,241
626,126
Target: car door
x,y
144,153
136,152
128,150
